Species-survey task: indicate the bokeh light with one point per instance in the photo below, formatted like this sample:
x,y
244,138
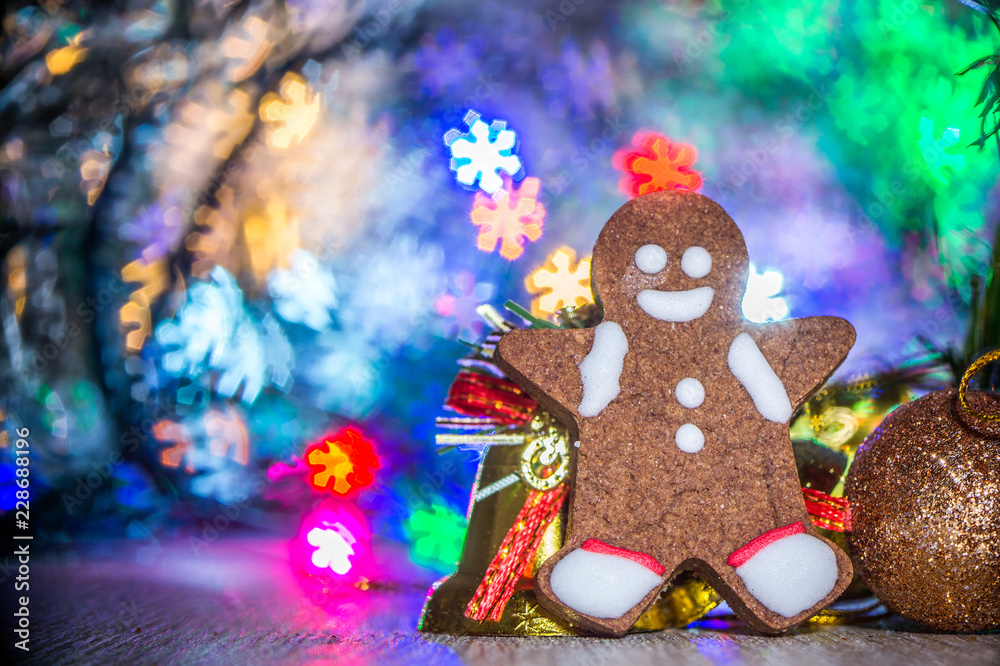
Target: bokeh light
x,y
562,282
341,462
333,543
761,302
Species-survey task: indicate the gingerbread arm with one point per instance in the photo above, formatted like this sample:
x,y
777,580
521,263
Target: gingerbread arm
x,y
556,382
804,352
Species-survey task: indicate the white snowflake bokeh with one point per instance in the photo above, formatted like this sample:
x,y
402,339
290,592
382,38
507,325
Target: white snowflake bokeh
x,y
305,293
392,292
213,331
761,302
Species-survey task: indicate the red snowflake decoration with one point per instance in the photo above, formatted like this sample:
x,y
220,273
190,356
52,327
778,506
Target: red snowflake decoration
x,y
342,462
516,217
654,163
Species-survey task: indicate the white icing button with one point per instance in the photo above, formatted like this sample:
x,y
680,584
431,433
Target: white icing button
x,y
689,438
696,262
690,392
651,258
601,369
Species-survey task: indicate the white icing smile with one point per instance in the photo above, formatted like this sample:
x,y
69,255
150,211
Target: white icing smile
x,y
677,306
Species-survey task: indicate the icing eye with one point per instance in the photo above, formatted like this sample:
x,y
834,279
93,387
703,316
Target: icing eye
x,y
651,258
696,262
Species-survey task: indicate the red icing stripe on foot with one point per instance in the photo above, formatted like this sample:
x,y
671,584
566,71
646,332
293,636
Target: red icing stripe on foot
x,y
740,556
648,561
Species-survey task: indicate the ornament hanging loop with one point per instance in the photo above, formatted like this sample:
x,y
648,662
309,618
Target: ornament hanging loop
x,y
545,461
963,387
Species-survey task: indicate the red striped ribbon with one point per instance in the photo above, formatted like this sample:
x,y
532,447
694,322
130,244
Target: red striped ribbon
x,y
827,511
476,394
516,552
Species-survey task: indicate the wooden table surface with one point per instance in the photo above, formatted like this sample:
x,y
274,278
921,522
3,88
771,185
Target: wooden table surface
x,y
237,602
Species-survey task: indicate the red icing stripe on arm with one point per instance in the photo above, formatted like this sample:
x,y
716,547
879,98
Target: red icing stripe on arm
x,y
648,561
740,556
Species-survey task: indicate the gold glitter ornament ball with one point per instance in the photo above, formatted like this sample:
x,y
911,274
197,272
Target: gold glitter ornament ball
x,y
925,511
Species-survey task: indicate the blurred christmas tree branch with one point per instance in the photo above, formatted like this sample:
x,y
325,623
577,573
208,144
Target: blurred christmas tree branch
x,y
989,94
984,315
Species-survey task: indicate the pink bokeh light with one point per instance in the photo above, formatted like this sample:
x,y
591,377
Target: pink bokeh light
x,y
334,544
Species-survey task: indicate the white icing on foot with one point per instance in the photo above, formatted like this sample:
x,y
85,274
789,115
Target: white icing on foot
x,y
689,438
651,259
690,393
750,367
696,262
677,306
599,584
602,368
791,575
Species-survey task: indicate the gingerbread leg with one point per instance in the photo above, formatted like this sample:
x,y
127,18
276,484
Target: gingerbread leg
x,y
602,581
787,570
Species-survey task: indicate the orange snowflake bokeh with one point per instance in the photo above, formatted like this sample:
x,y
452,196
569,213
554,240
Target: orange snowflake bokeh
x,y
342,462
516,217
561,282
655,163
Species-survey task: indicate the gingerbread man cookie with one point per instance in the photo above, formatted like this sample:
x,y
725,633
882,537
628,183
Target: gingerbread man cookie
x,y
681,408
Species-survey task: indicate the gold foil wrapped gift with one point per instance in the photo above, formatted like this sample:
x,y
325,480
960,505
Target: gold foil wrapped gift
x,y
508,475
